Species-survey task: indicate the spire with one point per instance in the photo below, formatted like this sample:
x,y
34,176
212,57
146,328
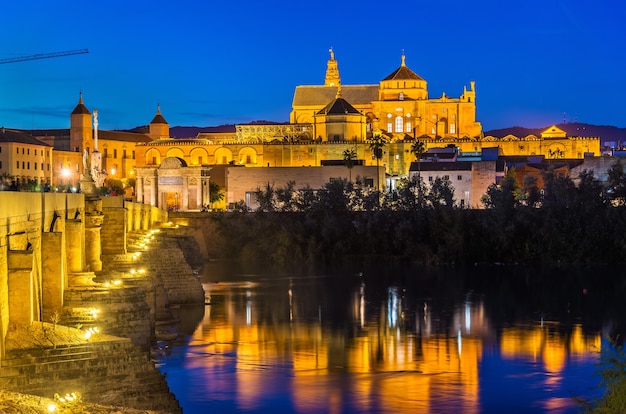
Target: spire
x,y
332,71
403,57
158,118
338,92
80,107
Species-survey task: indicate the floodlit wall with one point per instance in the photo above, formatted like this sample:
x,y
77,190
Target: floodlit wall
x,y
28,222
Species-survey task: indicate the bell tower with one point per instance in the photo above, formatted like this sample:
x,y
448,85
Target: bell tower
x,y
332,71
159,128
80,127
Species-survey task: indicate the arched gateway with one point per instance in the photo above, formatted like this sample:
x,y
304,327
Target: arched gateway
x,y
173,185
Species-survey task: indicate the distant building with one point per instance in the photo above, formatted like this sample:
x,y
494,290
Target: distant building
x,y
470,179
23,160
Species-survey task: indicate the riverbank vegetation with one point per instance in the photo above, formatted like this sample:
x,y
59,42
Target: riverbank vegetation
x,y
563,222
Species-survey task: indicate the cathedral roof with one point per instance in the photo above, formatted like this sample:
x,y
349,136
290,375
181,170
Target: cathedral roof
x,y
158,118
80,107
403,73
321,95
339,106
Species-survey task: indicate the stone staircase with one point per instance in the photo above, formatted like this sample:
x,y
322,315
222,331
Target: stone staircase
x,y
164,260
110,371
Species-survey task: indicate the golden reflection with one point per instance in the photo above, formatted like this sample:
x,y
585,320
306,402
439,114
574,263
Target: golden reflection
x,y
393,362
547,343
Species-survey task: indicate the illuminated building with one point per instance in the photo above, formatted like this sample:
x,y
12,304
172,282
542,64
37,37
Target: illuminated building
x,y
23,159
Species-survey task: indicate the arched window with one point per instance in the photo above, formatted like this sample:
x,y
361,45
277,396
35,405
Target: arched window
x,y
399,123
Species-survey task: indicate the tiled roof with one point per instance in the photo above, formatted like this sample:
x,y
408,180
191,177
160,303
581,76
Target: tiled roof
x,y
12,135
122,136
403,73
339,107
322,95
158,119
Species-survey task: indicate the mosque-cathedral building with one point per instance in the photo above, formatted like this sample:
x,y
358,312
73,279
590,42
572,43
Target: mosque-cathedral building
x,y
325,120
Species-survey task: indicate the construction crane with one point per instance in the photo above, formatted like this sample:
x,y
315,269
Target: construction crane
x,y
44,56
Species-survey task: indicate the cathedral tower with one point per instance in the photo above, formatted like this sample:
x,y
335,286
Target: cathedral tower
x,y
81,131
159,128
332,71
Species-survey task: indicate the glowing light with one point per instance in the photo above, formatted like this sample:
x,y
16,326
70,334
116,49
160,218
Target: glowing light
x,y
112,171
94,313
117,282
65,172
88,334
52,407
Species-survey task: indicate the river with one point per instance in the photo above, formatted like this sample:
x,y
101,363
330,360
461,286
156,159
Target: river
x,y
388,339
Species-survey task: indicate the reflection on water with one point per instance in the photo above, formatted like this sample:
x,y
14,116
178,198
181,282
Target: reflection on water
x,y
386,341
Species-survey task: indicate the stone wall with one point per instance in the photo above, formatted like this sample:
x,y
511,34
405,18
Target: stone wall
x,y
52,246
25,220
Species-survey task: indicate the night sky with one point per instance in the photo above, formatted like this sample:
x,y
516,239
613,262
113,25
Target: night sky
x,y
209,63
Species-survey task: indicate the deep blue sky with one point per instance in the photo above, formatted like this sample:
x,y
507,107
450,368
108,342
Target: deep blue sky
x,y
216,62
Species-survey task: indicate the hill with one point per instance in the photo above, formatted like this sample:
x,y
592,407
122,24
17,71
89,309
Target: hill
x,y
609,135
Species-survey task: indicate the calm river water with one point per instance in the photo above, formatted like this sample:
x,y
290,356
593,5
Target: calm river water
x,y
393,340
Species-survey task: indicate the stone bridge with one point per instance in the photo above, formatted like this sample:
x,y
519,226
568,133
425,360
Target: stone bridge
x,y
71,264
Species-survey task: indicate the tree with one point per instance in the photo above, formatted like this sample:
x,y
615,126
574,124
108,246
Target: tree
x,y
265,198
216,194
616,184
503,198
349,156
441,194
376,146
417,148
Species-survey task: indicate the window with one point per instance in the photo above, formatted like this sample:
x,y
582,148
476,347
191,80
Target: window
x,y
0,164
115,153
224,160
154,160
462,203
446,178
389,126
18,150
432,130
248,159
28,165
430,178
35,151
459,177
23,151
124,154
133,154
401,96
399,123
35,165
28,151
106,152
408,127
42,166
453,128
200,160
